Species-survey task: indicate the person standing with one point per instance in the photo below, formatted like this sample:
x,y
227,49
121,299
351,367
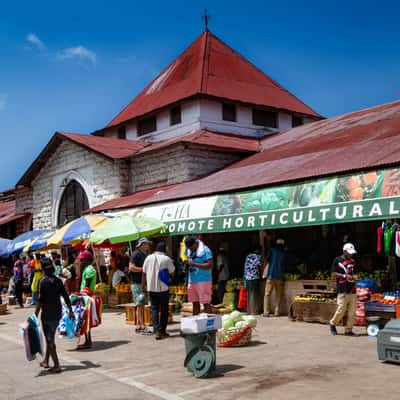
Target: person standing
x,y
51,289
19,281
274,273
200,274
343,269
89,275
252,276
223,273
136,276
157,268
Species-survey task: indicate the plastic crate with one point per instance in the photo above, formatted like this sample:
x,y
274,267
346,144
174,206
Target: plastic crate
x,y
375,306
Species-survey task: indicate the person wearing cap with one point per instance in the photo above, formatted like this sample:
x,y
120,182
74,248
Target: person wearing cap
x,y
200,274
343,269
136,277
51,289
274,271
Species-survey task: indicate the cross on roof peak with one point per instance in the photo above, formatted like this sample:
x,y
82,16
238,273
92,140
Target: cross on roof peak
x,y
206,18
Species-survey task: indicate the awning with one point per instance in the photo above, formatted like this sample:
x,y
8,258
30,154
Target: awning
x,y
373,195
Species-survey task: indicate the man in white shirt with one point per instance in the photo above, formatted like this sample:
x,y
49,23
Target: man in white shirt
x,y
156,270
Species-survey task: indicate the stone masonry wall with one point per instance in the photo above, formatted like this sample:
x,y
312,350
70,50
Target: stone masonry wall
x,y
23,200
100,176
177,164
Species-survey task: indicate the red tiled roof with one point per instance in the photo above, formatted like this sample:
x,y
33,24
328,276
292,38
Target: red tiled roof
x,y
212,139
109,147
7,212
361,140
130,200
210,67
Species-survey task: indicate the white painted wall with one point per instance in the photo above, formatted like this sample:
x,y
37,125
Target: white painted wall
x,y
204,114
284,121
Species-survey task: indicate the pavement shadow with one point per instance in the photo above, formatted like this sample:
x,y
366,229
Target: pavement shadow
x,y
84,365
223,369
103,345
255,343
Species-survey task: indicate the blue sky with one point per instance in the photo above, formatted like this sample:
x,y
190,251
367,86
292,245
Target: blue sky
x,y
73,65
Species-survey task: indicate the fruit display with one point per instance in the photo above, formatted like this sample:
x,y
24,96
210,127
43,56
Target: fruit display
x,y
123,288
315,297
102,288
379,276
292,277
391,298
234,284
322,275
178,290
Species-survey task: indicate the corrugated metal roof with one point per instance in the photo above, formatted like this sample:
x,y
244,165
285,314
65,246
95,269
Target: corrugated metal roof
x,y
203,137
210,67
109,147
130,200
8,212
361,140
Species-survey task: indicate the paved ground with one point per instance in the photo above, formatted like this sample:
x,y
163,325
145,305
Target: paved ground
x,y
287,360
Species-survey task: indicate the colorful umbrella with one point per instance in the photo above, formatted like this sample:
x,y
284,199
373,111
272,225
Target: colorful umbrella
x,y
40,243
77,230
3,245
17,245
126,228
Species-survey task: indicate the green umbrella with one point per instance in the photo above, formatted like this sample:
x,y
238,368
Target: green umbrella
x,y
126,228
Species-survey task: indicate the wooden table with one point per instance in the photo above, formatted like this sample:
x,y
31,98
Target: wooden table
x,y
312,311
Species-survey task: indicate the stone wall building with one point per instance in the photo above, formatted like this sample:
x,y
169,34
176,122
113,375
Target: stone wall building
x,y
208,109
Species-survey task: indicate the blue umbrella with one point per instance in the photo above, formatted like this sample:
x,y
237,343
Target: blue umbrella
x,y
3,245
17,245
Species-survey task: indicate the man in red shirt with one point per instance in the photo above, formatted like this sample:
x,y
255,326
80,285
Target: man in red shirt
x,y
343,270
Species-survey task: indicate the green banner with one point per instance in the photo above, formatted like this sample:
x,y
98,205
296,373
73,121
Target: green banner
x,y
372,195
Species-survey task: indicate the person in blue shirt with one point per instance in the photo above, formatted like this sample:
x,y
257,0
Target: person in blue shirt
x,y
274,274
200,274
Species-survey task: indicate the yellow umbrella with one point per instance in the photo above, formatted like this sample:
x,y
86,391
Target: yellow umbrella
x,y
77,230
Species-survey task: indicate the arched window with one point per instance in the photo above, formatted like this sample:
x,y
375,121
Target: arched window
x,y
72,203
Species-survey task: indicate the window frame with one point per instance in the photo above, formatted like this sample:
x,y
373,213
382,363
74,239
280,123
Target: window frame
x,y
178,121
148,130
263,110
299,118
224,116
121,132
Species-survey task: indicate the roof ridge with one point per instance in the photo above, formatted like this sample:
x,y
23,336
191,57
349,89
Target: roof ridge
x,y
154,79
204,66
262,72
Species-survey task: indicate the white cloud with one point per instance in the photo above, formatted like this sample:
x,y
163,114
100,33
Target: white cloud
x,y
80,53
34,39
3,101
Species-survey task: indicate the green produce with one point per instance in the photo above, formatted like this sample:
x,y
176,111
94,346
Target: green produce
x,y
241,324
251,320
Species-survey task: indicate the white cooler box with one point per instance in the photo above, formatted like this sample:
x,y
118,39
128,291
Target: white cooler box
x,y
201,323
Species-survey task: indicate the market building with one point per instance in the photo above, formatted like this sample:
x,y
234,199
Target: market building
x,y
316,185
207,110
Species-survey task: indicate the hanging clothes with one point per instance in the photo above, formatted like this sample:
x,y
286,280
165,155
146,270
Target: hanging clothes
x,y
379,237
388,235
397,248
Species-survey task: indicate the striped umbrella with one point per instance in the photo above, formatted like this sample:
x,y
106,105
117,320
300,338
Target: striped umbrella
x,y
40,243
77,230
3,245
17,245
